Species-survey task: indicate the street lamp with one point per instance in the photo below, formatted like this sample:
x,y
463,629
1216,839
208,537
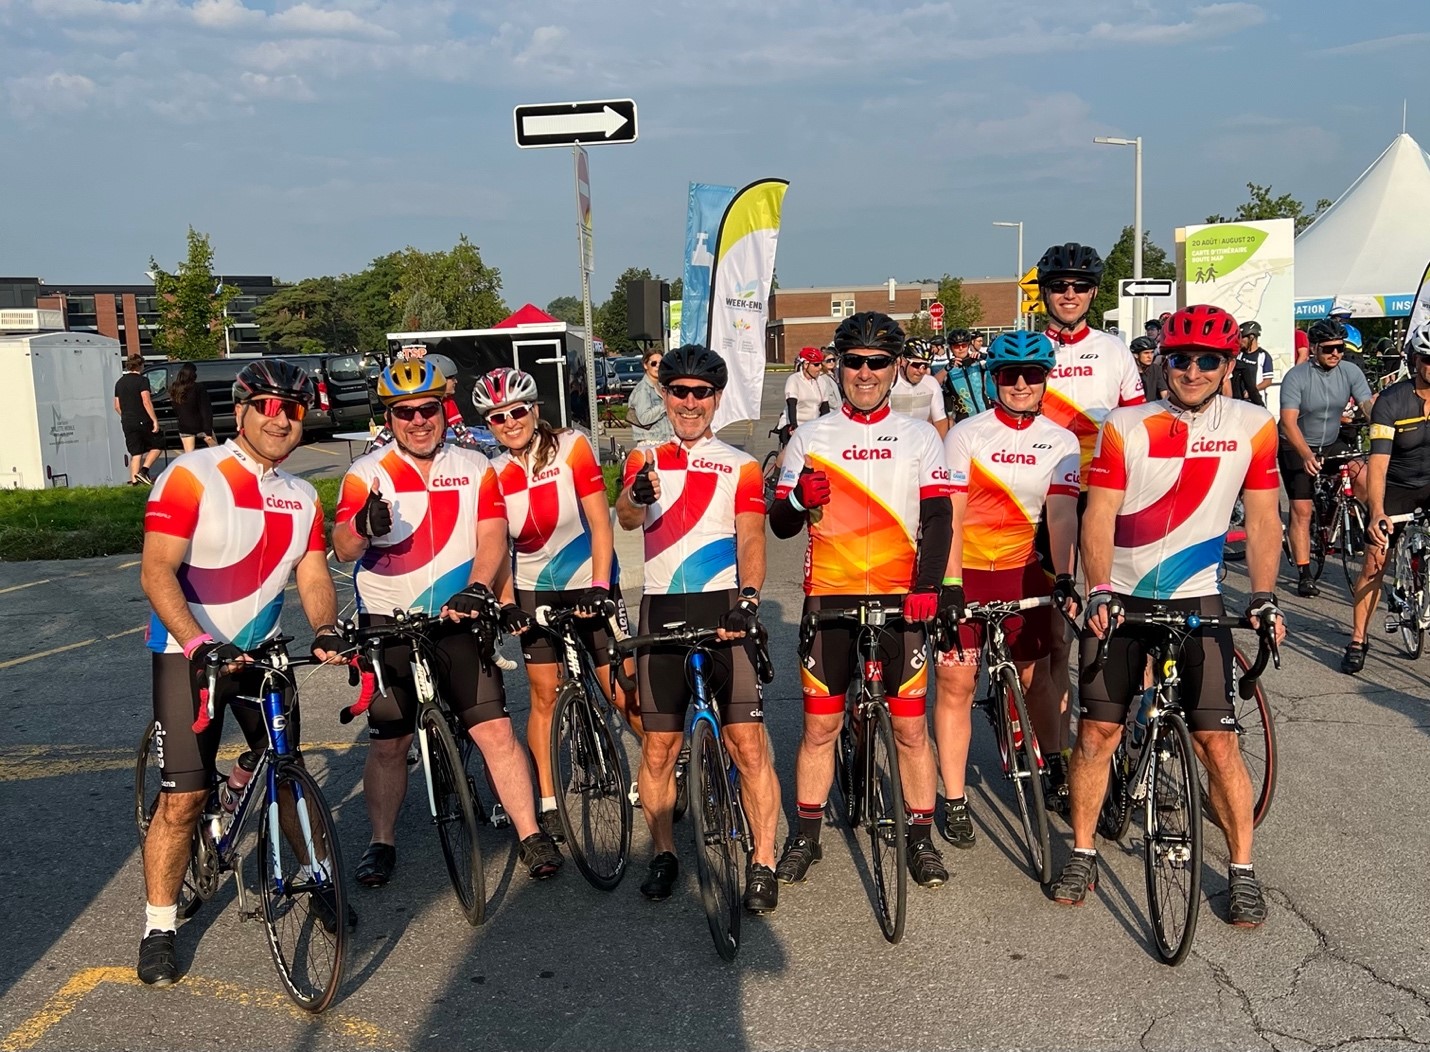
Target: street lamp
x,y
1137,305
1017,276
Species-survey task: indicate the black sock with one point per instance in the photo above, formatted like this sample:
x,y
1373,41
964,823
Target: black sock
x,y
810,818
920,825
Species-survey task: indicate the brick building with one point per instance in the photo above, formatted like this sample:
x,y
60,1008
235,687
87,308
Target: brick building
x,y
808,317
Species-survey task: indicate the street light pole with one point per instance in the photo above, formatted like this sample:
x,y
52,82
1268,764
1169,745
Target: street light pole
x,y
1138,306
1017,277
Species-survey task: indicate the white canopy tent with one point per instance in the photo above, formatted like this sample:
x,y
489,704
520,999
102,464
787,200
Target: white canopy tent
x,y
1368,250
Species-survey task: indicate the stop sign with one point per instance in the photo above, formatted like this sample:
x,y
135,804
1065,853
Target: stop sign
x,y
936,310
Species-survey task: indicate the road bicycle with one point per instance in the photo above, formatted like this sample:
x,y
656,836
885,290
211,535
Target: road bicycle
x,y
769,468
448,755
301,879
866,761
588,763
1007,712
1407,595
722,832
1154,769
1338,520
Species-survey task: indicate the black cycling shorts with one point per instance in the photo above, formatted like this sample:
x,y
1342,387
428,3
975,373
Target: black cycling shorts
x,y
829,666
538,646
1104,695
139,438
187,759
1299,485
472,687
664,684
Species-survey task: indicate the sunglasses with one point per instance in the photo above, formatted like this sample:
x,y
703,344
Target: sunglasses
x,y
516,412
654,363
1204,362
1339,348
1009,375
680,392
1079,287
275,407
874,361
409,413
912,364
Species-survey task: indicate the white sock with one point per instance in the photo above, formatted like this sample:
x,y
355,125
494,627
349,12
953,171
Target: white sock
x,y
548,803
160,918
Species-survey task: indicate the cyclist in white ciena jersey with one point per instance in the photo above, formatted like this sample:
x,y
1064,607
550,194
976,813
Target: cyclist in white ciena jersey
x,y
915,393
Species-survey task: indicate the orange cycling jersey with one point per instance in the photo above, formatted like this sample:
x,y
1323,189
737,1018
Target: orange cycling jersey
x,y
1095,373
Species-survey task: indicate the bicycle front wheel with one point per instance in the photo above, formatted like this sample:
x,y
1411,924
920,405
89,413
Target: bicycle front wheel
x,y
1021,769
456,815
887,823
201,877
1172,846
304,889
591,788
717,831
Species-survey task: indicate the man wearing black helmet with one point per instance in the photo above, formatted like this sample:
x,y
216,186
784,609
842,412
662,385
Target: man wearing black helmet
x,y
1153,373
1094,375
872,489
223,530
1313,396
1254,370
964,376
701,504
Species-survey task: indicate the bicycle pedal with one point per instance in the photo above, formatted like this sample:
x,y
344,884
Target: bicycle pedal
x,y
1392,625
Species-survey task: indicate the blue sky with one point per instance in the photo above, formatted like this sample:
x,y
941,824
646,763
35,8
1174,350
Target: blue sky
x,y
306,138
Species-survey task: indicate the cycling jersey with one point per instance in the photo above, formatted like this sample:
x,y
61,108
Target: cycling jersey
x,y
427,556
690,530
1008,466
247,528
544,516
1180,474
864,541
1400,430
922,401
1320,396
808,395
965,379
1095,373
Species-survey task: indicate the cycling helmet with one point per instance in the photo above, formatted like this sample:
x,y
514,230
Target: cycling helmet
x,y
812,355
917,349
445,365
1418,343
1204,328
1016,348
1070,261
1326,330
1353,340
1143,343
959,336
273,377
869,330
1251,329
413,378
1340,311
694,362
503,387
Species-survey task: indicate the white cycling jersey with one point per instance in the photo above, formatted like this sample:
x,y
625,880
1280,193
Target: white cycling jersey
x,y
1095,373
922,401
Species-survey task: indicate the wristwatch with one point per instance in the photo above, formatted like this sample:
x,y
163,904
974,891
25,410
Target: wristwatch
x,y
751,594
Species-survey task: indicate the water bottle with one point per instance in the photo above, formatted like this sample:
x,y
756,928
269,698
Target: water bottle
x,y
1144,712
238,778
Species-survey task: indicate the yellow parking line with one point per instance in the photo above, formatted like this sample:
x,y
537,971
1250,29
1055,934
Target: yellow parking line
x,y
65,577
64,1001
319,449
24,763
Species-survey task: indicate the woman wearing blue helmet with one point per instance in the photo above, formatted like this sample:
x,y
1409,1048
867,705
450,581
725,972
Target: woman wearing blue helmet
x,y
1007,464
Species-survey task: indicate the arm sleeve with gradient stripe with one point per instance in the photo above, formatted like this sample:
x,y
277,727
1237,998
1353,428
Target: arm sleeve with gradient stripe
x,y
584,470
1262,472
1108,469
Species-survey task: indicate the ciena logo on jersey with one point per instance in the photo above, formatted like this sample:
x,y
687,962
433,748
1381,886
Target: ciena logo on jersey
x,y
701,464
449,481
1005,457
1063,372
1214,445
868,454
282,504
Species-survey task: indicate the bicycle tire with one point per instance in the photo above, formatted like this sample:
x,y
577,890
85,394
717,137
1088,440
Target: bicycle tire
x,y
848,773
716,839
1172,842
1409,582
591,787
312,966
887,824
1353,540
1115,816
201,877
1256,738
456,818
1021,769
768,473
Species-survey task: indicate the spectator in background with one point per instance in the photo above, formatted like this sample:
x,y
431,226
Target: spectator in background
x,y
1303,347
1253,370
1153,331
975,347
136,417
192,409
645,406
1150,367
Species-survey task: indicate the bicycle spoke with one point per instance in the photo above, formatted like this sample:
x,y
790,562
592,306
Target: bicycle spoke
x,y
1172,846
456,818
591,788
718,851
887,825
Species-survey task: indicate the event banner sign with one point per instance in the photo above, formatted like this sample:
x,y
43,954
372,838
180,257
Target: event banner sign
x,y
702,223
740,294
1246,268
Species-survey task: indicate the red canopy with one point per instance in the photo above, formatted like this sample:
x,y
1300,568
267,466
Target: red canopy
x,y
527,315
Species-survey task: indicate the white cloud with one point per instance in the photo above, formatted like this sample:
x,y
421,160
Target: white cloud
x,y
289,86
305,18
225,15
56,92
1377,45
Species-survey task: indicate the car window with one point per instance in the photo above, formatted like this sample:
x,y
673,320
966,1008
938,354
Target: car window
x,y
345,367
158,380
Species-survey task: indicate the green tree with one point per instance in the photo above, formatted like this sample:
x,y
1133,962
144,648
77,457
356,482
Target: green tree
x,y
1117,264
424,312
312,316
567,309
919,325
191,304
370,297
466,291
961,310
1263,206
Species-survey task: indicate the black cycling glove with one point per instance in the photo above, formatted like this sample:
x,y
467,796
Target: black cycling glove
x,y
643,487
515,620
476,598
374,518
591,602
741,617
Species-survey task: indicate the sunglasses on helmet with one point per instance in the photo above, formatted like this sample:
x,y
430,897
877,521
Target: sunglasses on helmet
x,y
294,411
409,413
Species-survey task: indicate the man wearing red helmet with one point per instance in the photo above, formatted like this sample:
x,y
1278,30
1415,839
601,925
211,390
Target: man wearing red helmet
x,y
1163,482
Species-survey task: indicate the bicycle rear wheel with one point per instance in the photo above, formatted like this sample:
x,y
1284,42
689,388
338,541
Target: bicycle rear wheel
x,y
1021,769
1256,737
887,823
769,474
591,787
1410,587
1172,847
848,770
1116,813
305,905
456,817
201,878
1352,540
717,841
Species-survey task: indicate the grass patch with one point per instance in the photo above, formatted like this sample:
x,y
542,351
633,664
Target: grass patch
x,y
613,480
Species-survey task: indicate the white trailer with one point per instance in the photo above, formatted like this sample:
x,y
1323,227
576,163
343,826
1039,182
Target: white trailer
x,y
58,426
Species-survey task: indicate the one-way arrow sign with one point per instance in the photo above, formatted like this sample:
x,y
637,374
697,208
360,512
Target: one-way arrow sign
x,y
1146,287
570,123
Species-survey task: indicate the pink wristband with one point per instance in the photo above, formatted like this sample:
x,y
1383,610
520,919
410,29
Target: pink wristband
x,y
1101,588
195,643
601,584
